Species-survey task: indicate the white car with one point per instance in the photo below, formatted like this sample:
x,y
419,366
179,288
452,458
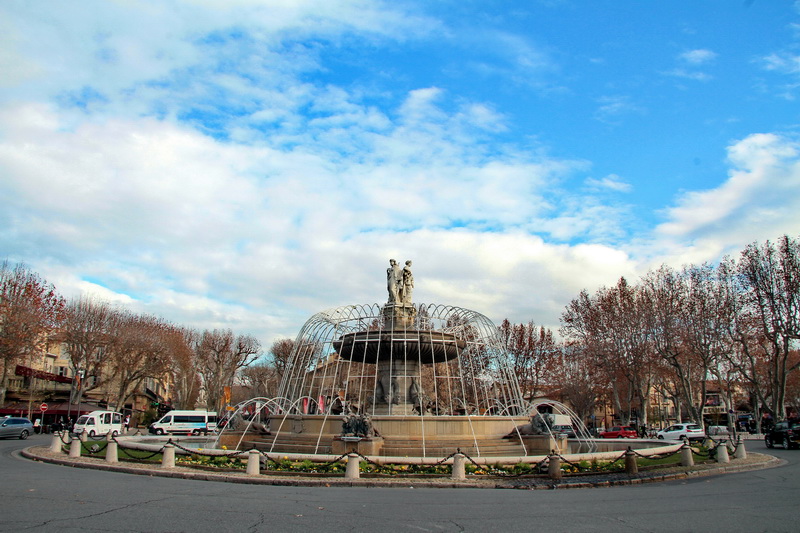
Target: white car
x,y
680,431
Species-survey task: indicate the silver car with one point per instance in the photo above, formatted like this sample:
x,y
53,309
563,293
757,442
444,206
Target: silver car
x,y
15,426
682,431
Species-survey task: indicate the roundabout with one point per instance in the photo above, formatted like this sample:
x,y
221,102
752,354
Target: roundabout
x,y
48,497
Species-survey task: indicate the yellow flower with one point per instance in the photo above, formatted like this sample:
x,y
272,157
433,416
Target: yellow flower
x,y
224,447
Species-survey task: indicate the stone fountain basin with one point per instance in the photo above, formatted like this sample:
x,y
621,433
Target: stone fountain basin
x,y
644,447
425,347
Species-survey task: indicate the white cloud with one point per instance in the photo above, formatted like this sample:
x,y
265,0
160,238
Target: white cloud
x,y
699,56
611,182
155,214
785,63
761,197
613,107
689,74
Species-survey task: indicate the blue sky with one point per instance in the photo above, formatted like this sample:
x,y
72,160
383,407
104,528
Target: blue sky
x,y
246,164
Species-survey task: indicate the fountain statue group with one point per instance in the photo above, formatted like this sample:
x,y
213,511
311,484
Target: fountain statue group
x,y
399,282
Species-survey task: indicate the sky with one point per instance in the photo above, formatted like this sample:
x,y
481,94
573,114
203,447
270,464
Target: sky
x,y
246,164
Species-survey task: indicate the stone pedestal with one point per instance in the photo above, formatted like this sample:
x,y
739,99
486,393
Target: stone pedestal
x,y
544,444
399,316
367,447
398,387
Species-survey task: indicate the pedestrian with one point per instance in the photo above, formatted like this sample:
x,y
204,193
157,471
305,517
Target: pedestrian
x,y
127,423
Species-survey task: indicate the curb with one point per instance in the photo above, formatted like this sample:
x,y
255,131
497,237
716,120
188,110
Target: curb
x,y
536,484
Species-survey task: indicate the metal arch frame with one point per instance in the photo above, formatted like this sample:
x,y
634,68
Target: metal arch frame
x,y
313,348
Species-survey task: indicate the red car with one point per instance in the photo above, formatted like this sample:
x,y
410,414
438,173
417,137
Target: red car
x,y
619,432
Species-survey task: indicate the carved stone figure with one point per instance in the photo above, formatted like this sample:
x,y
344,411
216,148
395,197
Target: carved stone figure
x,y
408,284
394,281
358,425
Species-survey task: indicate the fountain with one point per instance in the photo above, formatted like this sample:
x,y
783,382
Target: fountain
x,y
396,379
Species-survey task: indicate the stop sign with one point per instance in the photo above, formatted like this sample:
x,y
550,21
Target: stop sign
x,y
43,407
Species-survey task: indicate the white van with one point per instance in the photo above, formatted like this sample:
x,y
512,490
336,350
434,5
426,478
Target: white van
x,y
188,422
99,423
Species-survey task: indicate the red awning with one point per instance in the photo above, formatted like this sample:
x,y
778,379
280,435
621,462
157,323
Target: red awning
x,y
41,374
54,409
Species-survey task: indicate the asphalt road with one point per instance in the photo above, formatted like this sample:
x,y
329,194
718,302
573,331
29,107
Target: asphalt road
x,y
44,497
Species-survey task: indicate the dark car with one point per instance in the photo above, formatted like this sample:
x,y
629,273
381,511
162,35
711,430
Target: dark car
x,y
786,433
15,426
619,432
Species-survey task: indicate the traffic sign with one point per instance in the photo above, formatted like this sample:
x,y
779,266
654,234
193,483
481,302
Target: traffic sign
x,y
43,407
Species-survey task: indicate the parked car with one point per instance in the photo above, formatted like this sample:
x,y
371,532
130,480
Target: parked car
x,y
619,432
786,433
15,426
567,430
682,431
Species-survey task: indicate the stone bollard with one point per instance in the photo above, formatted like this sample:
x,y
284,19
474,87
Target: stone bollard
x,y
75,448
459,472
352,471
554,467
740,452
83,436
55,443
687,459
722,452
112,452
253,463
168,456
630,462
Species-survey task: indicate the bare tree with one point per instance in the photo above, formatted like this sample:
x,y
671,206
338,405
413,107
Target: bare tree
x,y
611,327
30,309
182,369
86,334
139,350
220,355
279,356
578,380
261,379
533,352
772,279
750,348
